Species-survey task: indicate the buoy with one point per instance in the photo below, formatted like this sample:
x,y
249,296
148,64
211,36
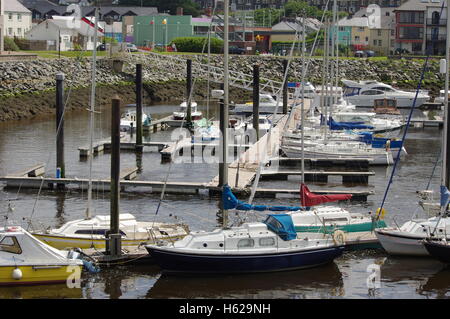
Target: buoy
x,y
380,213
17,274
339,237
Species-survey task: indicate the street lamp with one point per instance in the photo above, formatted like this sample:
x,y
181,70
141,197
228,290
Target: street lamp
x,y
165,42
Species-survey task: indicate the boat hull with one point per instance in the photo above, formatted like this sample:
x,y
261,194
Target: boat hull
x,y
36,275
63,242
181,262
438,251
402,102
400,244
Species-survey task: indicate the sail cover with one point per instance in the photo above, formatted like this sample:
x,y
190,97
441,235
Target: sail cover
x,y
445,196
347,126
231,202
310,199
282,225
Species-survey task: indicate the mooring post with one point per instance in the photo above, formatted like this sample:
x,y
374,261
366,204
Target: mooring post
x,y
188,92
256,100
138,146
285,88
114,247
223,176
60,166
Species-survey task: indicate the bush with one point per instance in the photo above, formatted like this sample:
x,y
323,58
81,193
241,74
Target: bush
x,y
196,44
10,45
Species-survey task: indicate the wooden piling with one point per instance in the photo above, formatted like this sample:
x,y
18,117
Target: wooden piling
x,y
60,165
188,92
256,100
114,246
285,88
139,146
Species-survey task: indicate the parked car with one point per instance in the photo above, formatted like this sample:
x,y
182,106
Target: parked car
x,y
359,54
236,50
369,53
131,47
101,47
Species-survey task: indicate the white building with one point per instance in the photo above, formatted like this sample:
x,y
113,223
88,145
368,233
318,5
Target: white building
x,y
16,19
1,26
74,33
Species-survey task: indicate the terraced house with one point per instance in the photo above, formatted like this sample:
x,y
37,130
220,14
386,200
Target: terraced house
x,y
16,19
421,26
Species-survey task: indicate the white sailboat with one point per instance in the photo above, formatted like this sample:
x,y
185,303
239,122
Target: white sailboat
x,y
408,238
91,232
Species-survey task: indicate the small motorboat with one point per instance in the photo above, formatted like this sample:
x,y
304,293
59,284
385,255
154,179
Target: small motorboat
x,y
269,246
24,260
128,120
181,113
205,130
386,106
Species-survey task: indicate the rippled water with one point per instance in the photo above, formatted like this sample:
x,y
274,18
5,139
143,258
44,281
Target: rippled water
x,y
24,144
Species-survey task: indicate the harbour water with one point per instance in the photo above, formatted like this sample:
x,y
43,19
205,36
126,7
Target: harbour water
x,y
26,143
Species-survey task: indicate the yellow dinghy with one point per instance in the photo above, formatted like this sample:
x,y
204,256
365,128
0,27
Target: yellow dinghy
x,y
24,260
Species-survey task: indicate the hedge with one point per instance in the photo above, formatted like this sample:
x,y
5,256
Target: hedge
x,y
197,44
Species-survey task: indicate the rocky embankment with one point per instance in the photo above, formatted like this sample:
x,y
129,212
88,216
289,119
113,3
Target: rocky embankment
x,y
27,87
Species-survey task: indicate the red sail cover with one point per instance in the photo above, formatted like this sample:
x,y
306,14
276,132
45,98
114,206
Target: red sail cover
x,y
310,199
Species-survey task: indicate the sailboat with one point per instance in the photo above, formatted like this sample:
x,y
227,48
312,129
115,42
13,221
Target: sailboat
x,y
409,238
272,245
91,232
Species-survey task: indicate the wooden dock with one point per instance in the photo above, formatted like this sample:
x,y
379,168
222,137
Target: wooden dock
x,y
180,188
321,176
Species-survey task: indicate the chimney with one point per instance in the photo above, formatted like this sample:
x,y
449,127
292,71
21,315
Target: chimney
x,y
179,11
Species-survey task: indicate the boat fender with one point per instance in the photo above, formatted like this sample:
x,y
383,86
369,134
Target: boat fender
x,y
339,237
380,213
17,274
12,229
388,145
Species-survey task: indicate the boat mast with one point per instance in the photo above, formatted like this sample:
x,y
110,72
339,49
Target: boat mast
x,y
445,148
225,104
302,120
91,114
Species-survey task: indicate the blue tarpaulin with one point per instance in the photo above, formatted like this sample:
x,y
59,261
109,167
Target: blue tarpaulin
x,y
231,202
445,196
345,126
282,225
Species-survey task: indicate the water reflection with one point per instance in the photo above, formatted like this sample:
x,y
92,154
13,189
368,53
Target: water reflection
x,y
321,282
437,285
58,291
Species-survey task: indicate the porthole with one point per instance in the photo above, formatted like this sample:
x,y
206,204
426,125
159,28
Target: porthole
x,y
205,245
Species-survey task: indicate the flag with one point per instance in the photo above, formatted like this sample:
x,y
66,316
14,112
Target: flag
x,y
310,199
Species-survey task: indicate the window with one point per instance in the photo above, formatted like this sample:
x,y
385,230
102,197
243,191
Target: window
x,y
10,244
246,242
268,241
10,16
10,31
411,17
379,33
410,33
19,31
374,42
371,92
95,232
19,17
379,43
357,38
361,29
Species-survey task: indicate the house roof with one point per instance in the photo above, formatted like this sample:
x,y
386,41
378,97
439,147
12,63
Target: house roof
x,y
354,22
14,6
419,5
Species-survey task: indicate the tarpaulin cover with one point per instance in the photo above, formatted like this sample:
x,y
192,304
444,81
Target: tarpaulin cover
x,y
282,225
310,199
344,126
231,202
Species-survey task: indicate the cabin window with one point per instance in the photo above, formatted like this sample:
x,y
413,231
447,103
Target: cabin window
x,y
95,232
382,88
246,242
10,244
371,92
268,241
